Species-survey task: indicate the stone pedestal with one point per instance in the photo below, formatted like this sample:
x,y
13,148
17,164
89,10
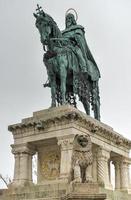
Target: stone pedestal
x,y
50,133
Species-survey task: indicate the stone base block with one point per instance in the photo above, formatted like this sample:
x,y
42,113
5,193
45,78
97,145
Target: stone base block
x,y
77,196
88,188
60,191
84,191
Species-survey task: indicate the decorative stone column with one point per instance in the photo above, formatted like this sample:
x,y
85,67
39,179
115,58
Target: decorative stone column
x,y
16,166
129,177
23,164
109,170
124,168
66,146
102,167
94,165
24,167
30,166
117,174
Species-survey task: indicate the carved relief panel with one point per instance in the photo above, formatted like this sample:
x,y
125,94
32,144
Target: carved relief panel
x,y
48,163
51,165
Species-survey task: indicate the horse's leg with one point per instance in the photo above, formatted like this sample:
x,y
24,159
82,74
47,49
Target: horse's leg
x,y
97,111
52,80
53,93
86,105
84,94
63,75
96,100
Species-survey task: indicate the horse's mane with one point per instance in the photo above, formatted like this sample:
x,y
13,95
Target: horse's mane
x,y
55,30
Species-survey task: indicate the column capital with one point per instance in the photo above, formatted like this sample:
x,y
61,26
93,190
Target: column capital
x,y
116,163
22,148
65,142
126,161
116,160
103,153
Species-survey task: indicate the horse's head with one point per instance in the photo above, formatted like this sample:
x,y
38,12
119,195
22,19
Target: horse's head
x,y
47,27
43,25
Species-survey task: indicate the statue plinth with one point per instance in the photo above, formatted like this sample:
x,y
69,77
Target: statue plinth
x,y
74,154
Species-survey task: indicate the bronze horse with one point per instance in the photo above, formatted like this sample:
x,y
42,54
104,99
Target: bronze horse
x,y
65,77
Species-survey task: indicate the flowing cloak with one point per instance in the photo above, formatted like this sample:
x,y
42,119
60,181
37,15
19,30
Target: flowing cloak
x,y
77,33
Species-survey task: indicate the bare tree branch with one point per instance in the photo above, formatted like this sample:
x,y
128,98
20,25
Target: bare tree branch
x,y
5,180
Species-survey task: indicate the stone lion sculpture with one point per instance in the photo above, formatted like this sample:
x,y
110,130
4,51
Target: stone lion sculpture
x,y
82,159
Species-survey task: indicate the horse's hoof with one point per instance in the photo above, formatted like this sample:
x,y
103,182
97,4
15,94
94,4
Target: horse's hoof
x,y
53,105
65,103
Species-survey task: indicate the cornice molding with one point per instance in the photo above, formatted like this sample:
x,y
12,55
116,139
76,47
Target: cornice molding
x,y
66,115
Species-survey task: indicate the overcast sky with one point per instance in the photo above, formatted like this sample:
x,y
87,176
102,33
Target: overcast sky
x,y
108,32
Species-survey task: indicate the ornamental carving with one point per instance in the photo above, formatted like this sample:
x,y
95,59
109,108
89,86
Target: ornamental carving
x,y
69,115
51,166
66,143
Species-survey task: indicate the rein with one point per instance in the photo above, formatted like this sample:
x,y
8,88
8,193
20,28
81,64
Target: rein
x,y
59,42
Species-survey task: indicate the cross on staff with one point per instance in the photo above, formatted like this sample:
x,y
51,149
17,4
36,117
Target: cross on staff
x,y
39,8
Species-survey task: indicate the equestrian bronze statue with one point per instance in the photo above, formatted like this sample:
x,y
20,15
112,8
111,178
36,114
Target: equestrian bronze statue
x,y
71,68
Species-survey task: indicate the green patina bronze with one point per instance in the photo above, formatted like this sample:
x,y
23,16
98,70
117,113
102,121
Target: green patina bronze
x,y
70,65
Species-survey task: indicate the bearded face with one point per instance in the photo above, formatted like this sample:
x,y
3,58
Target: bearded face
x,y
70,20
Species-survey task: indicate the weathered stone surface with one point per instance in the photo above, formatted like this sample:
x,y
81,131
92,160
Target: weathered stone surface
x,y
84,197
87,188
56,118
36,192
